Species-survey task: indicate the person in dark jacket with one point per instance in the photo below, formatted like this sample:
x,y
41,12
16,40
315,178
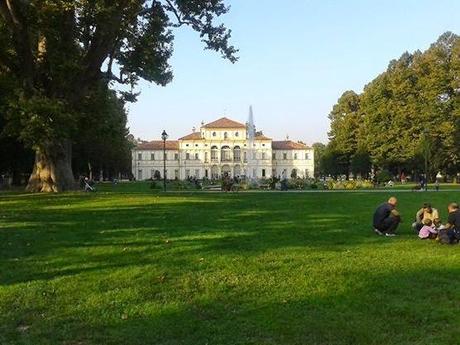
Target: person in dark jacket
x,y
386,218
453,223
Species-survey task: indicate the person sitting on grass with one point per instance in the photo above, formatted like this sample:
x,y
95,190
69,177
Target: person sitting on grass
x,y
428,230
453,223
387,218
426,212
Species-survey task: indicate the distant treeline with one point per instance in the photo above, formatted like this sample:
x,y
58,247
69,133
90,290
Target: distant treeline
x,y
407,115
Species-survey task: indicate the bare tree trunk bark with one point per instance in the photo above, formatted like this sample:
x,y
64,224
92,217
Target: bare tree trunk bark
x,y
52,169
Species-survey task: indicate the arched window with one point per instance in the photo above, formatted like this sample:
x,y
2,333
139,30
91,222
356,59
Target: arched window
x,y
226,170
237,170
237,154
214,154
225,154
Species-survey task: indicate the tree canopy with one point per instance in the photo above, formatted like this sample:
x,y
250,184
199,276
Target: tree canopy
x,y
57,55
416,99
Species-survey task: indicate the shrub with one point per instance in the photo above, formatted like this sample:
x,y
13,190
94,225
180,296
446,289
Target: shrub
x,y
383,176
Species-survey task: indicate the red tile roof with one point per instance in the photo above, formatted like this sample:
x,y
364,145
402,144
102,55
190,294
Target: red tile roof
x,y
288,145
192,136
158,145
262,137
224,123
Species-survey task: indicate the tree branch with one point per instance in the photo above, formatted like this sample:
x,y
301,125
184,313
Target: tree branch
x,y
180,20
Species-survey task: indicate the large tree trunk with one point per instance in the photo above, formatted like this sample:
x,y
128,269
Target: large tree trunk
x,y
52,169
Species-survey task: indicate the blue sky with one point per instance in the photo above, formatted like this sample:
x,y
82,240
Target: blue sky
x,y
296,58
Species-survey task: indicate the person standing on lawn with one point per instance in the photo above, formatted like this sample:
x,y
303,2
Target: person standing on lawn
x,y
387,218
425,213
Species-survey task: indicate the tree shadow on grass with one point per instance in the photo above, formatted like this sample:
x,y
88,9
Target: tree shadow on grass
x,y
53,240
393,307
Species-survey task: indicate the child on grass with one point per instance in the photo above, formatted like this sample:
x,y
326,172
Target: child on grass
x,y
428,230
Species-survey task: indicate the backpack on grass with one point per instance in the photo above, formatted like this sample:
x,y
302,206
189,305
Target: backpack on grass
x,y
451,236
443,236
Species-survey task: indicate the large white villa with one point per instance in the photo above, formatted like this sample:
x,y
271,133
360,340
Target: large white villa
x,y
223,147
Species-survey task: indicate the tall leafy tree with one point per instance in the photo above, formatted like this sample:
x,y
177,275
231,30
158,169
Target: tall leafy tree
x,y
345,123
416,99
59,51
319,149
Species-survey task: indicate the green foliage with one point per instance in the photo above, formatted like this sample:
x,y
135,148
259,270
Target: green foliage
x,y
361,164
418,95
59,58
333,163
319,150
349,184
157,175
383,176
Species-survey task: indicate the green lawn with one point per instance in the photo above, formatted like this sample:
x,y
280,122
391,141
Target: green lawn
x,y
210,268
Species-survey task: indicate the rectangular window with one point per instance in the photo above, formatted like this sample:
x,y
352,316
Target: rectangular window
x,y
273,155
176,174
306,173
306,156
263,172
284,155
236,155
139,156
176,156
206,158
152,156
187,156
139,174
187,173
295,155
152,173
245,156
206,173
254,155
263,155
273,172
197,173
166,156
196,156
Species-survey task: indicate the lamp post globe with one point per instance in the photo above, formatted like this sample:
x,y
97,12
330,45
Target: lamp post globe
x,y
164,136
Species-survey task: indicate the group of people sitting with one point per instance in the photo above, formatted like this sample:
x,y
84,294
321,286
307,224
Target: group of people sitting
x,y
427,223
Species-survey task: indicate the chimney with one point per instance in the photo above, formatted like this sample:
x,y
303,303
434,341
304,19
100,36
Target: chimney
x,y
193,129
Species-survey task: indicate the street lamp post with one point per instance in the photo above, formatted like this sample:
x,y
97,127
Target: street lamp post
x,y
164,136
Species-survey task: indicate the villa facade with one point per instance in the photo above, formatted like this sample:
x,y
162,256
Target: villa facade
x,y
222,147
